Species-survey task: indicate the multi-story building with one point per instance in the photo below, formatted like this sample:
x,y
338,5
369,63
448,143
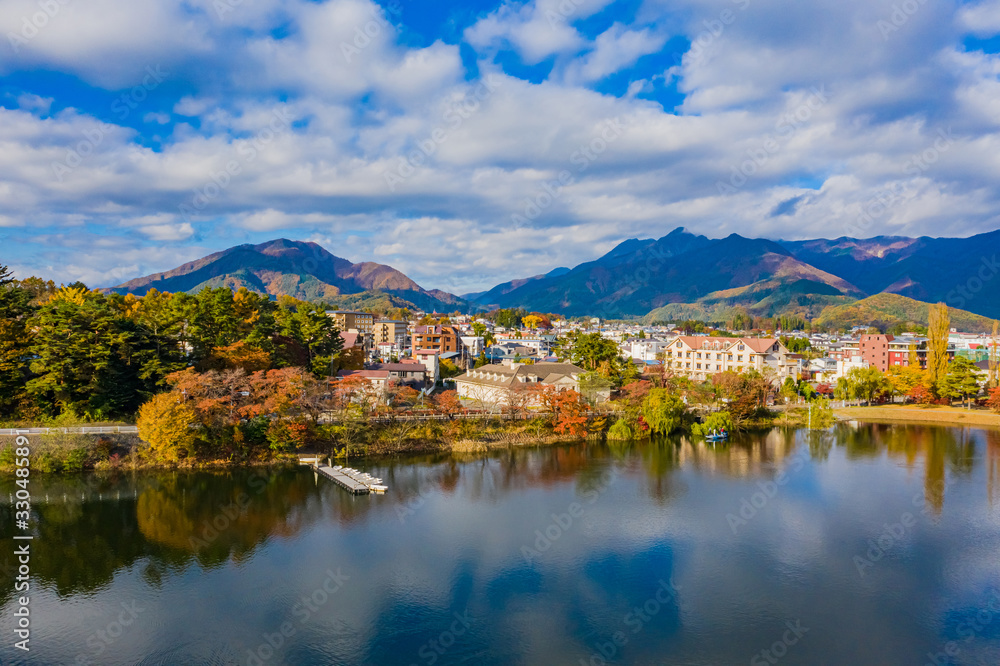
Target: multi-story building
x,y
437,338
701,357
492,386
645,349
473,345
392,332
901,348
362,323
874,350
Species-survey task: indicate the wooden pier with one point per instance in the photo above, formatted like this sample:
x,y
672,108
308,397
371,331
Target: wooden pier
x,y
351,480
344,481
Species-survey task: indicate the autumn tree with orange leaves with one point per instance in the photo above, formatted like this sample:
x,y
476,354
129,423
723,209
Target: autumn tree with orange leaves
x,y
568,410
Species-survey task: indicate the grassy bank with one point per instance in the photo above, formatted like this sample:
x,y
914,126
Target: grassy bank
x,y
940,414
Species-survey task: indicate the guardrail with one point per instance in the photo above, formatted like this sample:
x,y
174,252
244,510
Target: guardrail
x,y
77,430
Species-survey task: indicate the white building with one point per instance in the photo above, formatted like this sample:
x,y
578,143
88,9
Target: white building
x,y
700,357
492,386
645,349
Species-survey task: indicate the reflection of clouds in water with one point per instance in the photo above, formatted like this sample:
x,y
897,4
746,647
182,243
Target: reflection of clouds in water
x,y
460,550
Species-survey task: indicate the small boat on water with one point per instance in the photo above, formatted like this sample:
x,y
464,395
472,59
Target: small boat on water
x,y
717,437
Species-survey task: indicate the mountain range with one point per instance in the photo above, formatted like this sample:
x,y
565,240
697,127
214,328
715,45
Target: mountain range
x,y
686,275
679,276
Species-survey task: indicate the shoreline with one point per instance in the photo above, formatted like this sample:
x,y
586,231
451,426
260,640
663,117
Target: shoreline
x,y
934,415
133,462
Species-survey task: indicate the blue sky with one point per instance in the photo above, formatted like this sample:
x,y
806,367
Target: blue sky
x,y
470,143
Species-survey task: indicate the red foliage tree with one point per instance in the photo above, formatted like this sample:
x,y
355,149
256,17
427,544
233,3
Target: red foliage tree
x,y
569,411
993,402
447,403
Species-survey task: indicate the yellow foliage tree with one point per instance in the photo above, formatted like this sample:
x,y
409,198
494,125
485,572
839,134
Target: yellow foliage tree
x,y
239,355
994,360
939,326
531,321
75,295
165,424
906,378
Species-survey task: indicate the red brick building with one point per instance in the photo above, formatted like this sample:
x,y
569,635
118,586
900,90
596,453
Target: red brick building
x,y
435,338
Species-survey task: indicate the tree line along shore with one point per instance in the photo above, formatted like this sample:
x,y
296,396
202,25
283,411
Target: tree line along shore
x,y
223,378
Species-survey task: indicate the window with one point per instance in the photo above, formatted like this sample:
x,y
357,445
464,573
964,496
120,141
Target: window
x,y
698,355
698,366
740,347
718,357
730,357
740,358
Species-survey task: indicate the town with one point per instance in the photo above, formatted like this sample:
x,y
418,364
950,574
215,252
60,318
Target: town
x,y
480,356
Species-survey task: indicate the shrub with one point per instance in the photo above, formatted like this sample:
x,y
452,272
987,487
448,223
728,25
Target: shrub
x,y
7,456
620,431
715,421
76,460
46,463
287,436
103,448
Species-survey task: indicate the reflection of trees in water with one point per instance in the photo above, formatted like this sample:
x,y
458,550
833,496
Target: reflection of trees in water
x,y
661,457
993,466
80,544
942,449
223,516
820,443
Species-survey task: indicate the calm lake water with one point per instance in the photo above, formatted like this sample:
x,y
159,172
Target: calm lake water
x,y
865,544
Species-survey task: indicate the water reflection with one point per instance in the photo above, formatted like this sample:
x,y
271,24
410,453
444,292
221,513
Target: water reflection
x,y
212,518
447,542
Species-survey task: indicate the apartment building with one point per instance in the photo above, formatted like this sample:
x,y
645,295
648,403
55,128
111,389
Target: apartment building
x,y
443,339
700,357
392,332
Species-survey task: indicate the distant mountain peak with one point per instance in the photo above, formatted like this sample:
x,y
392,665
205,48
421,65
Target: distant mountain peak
x,y
302,269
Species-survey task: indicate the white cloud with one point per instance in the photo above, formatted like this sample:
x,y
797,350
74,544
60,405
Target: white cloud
x,y
362,107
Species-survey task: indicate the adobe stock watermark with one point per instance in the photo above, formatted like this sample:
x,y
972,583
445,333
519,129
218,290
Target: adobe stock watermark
x,y
122,107
915,166
755,503
412,505
786,127
247,151
634,622
32,25
431,651
892,533
304,610
364,34
967,630
223,7
101,640
900,16
714,28
562,13
779,649
582,158
454,116
964,293
562,523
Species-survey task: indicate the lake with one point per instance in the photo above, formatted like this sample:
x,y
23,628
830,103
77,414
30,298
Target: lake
x,y
864,544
